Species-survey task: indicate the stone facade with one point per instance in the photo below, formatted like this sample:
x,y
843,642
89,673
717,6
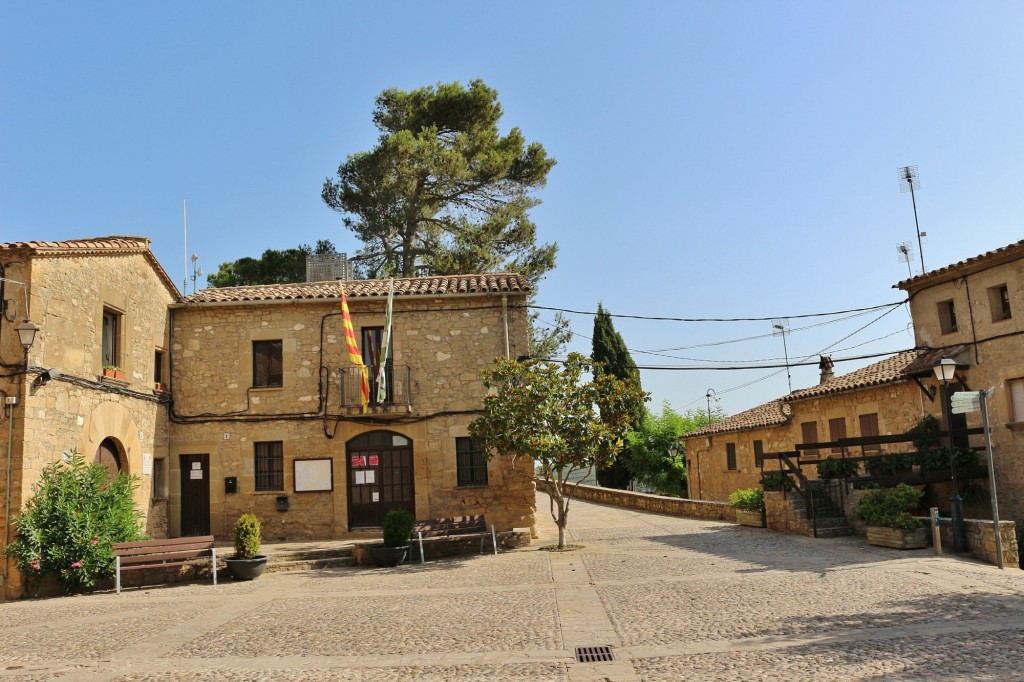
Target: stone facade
x,y
988,345
898,405
199,427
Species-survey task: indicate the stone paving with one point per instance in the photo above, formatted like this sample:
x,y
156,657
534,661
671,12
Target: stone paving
x,y
675,598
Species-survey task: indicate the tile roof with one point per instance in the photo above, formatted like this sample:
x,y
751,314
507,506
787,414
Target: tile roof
x,y
447,285
114,245
772,413
1008,252
882,372
926,359
778,411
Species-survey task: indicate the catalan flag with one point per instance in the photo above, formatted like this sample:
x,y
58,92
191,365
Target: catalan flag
x,y
353,350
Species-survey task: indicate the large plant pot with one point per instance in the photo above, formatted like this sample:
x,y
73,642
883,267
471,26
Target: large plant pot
x,y
896,538
247,569
387,557
750,518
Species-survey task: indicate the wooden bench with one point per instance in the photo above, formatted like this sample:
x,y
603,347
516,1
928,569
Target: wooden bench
x,y
454,527
130,556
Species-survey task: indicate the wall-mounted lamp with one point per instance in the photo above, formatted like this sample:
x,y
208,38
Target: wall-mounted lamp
x,y
46,376
27,334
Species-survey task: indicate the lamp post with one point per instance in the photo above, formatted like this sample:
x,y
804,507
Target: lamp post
x,y
945,371
27,336
709,395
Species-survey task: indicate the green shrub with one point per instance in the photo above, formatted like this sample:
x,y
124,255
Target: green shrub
x,y
891,507
68,527
397,527
776,481
748,499
248,536
890,464
925,434
837,467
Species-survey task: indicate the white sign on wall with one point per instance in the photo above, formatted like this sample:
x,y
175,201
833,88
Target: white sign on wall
x,y
147,463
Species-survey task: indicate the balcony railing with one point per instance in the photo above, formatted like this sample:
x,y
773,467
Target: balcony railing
x,y
398,383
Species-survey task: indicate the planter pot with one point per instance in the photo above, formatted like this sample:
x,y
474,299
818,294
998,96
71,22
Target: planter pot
x,y
898,539
750,518
113,374
247,569
387,556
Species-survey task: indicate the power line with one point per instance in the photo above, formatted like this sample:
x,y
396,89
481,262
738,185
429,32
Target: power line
x,y
719,319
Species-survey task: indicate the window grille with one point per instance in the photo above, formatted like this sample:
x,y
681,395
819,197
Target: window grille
x,y
470,461
269,466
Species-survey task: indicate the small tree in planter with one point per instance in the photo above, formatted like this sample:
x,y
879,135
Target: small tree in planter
x,y
749,506
247,563
397,530
886,512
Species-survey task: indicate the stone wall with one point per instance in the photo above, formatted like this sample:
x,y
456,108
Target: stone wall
x,y
992,363
446,342
899,407
697,509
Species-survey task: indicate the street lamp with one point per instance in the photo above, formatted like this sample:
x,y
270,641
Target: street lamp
x,y
27,335
945,371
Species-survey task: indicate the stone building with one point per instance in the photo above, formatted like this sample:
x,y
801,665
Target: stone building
x,y
973,312
876,400
245,399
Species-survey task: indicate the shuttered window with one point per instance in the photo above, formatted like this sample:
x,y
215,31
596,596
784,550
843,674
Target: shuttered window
x,y
869,427
809,434
730,456
266,364
836,430
1017,399
758,453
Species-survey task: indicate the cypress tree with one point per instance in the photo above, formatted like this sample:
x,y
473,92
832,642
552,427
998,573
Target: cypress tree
x,y
610,353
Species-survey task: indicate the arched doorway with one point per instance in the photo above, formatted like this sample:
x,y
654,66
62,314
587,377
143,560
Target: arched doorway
x,y
380,477
108,455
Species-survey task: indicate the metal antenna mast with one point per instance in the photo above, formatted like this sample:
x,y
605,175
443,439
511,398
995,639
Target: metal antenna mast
x,y
905,253
780,327
909,181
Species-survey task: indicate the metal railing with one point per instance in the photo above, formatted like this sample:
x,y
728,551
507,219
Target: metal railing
x,y
398,382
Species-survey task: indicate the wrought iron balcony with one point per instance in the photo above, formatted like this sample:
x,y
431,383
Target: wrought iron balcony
x,y
398,385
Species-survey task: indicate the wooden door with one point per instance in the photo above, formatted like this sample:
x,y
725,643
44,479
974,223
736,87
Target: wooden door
x,y
195,495
380,477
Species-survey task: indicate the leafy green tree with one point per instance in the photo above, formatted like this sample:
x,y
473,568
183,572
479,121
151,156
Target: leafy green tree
x,y
551,423
649,447
609,352
444,193
273,267
69,526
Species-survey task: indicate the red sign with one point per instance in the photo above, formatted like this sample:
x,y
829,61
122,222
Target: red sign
x,y
374,460
355,460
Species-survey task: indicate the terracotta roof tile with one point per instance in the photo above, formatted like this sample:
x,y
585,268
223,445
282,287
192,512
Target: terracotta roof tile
x,y
1008,252
773,413
448,285
882,372
114,245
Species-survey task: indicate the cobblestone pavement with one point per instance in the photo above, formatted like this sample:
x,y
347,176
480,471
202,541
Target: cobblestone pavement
x,y
675,599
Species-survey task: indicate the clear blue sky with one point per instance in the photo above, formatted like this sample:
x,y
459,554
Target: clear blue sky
x,y
715,159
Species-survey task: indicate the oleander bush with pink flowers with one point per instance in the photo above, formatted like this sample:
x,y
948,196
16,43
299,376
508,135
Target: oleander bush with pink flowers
x,y
69,525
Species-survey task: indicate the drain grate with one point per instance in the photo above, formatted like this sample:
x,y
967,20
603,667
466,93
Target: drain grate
x,y
594,654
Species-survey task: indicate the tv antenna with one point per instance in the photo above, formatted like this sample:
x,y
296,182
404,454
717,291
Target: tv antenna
x,y
909,181
780,327
905,252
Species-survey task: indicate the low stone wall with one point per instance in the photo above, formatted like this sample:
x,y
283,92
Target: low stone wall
x,y
676,506
981,539
784,513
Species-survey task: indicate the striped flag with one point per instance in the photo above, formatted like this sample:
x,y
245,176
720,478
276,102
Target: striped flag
x,y
385,350
353,350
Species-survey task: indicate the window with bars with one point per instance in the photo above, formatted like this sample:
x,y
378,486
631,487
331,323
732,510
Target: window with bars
x,y
266,364
269,466
869,427
809,433
470,462
159,478
758,453
730,457
837,430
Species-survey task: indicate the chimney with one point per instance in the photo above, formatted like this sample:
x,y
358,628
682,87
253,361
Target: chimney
x,y
825,365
